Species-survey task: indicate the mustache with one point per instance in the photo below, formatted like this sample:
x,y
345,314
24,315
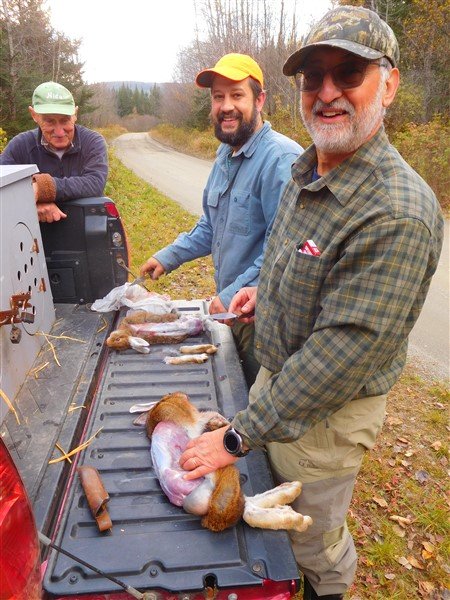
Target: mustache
x,y
340,104
235,115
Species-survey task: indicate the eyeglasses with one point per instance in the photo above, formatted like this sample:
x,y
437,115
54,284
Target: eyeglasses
x,y
345,76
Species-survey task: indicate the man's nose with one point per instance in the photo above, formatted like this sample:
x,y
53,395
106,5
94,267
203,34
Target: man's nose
x,y
59,130
329,91
227,104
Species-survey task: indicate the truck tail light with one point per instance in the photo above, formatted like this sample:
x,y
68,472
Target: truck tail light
x,y
111,209
19,546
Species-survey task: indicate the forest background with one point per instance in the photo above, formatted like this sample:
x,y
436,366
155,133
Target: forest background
x,y
32,51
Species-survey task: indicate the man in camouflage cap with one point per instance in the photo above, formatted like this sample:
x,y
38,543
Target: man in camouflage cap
x,y
347,267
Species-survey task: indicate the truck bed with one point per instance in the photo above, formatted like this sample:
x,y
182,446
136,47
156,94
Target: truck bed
x,y
153,545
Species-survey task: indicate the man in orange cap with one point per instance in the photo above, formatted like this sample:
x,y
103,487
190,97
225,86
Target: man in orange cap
x,y
241,197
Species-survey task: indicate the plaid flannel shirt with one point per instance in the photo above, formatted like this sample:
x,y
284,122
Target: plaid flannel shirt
x,y
334,327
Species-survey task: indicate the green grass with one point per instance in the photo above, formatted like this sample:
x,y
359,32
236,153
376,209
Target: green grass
x,y
151,222
414,439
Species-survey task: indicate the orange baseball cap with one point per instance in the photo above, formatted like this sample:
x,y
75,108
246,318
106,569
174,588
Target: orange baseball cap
x,y
232,66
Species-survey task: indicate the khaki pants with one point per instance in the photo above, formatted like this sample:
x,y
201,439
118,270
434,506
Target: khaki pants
x,y
326,460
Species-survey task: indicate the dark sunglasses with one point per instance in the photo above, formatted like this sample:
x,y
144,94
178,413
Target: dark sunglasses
x,y
345,76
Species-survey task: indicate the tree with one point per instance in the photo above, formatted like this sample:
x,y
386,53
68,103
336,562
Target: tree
x,y
261,29
33,52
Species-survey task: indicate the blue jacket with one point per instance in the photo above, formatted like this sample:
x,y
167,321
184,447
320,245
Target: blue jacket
x,y
80,173
239,204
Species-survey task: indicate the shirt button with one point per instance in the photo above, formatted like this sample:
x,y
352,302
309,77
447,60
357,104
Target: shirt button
x,y
221,220
302,206
286,242
218,244
258,345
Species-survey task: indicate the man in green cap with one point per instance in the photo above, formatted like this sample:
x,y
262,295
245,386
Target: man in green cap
x,y
347,267
72,159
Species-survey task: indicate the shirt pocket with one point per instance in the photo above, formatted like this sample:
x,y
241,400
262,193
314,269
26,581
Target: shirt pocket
x,y
239,213
212,199
300,293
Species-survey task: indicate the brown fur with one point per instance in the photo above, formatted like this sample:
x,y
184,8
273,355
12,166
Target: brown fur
x,y
172,407
118,339
227,501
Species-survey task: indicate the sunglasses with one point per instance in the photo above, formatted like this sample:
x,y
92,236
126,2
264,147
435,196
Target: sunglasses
x,y
345,76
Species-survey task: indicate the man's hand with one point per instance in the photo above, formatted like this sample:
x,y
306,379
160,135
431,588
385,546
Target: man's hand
x,y
216,306
244,303
205,454
153,267
48,212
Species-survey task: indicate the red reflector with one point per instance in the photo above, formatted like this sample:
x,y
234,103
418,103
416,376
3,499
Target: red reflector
x,y
19,546
111,209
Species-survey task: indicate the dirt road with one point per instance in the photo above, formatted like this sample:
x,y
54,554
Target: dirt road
x,y
183,177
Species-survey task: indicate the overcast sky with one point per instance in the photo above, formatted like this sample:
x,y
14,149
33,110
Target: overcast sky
x,y
137,40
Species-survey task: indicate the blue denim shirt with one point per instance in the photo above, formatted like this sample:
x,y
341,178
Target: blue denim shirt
x,y
239,204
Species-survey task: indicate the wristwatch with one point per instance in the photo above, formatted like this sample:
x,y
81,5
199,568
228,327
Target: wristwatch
x,y
233,443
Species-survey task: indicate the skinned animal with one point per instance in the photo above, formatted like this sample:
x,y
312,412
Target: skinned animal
x,y
217,497
152,329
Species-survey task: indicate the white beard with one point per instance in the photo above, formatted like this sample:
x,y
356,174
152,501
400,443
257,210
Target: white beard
x,y
341,138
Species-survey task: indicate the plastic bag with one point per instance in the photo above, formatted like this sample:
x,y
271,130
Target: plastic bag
x,y
136,298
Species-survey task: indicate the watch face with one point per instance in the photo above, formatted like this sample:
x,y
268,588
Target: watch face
x,y
232,442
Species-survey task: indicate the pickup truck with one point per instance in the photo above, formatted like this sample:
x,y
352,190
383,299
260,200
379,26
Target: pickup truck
x,y
74,390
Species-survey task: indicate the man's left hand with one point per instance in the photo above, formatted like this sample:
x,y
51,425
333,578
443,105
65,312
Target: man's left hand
x,y
48,212
216,306
205,454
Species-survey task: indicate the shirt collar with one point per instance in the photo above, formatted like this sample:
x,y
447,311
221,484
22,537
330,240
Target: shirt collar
x,y
346,178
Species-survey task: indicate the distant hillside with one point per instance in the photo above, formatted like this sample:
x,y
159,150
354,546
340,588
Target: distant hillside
x,y
146,86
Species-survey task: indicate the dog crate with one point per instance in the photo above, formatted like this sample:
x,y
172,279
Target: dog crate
x,y
26,305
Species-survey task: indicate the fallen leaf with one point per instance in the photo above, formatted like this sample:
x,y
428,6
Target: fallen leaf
x,y
389,576
426,588
403,521
436,445
404,562
380,501
428,546
403,440
422,476
415,563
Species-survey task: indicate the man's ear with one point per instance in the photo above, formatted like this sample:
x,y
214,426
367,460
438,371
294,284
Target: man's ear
x,y
391,88
260,100
33,114
75,114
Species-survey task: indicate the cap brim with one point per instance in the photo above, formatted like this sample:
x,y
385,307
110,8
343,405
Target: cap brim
x,y
54,109
297,59
205,78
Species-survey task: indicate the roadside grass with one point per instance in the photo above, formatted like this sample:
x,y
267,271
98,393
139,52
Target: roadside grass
x,y
151,222
400,511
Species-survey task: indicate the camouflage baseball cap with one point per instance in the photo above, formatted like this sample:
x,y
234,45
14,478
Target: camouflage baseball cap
x,y
358,30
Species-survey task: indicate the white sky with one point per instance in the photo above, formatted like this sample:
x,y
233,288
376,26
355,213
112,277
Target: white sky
x,y
138,40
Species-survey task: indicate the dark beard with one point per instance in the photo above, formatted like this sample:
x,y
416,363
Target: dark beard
x,y
243,133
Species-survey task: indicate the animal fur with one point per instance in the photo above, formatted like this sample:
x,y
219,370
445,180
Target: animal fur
x,y
227,504
119,339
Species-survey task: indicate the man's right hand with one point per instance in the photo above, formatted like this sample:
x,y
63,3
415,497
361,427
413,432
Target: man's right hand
x,y
48,212
153,268
244,303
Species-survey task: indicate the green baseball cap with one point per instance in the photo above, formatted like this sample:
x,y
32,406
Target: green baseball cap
x,y
53,98
359,30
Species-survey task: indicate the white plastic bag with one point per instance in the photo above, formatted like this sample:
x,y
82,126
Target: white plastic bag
x,y
136,298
